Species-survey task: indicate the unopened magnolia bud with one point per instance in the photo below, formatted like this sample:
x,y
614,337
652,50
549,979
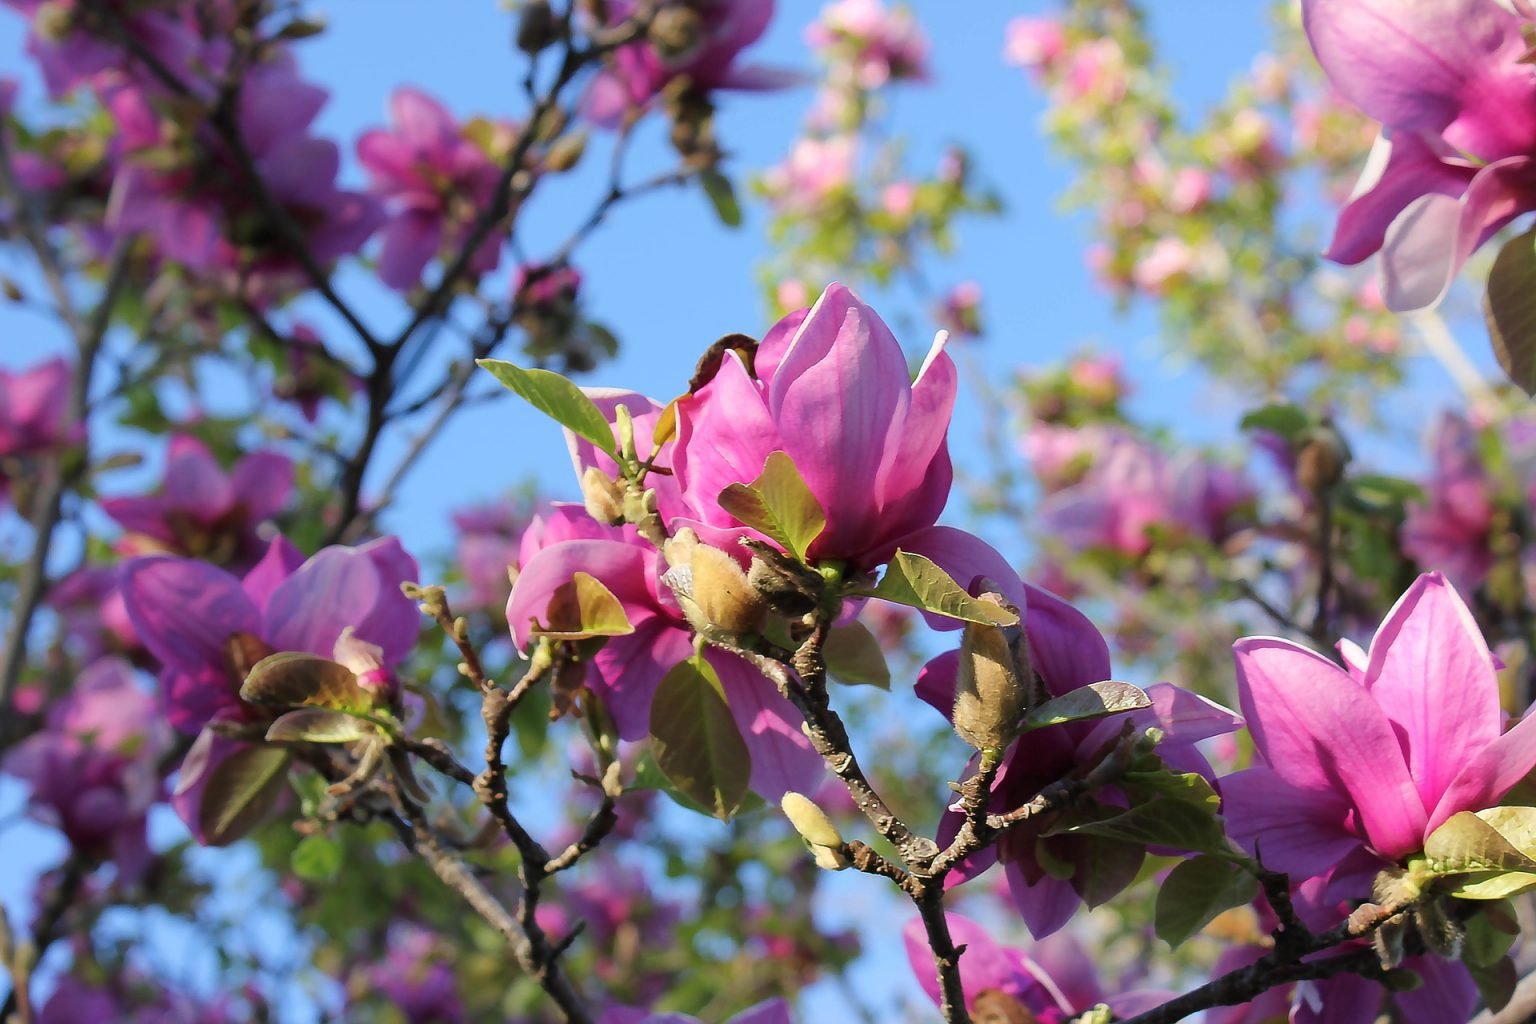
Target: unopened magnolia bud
x,y
723,598
536,27
782,593
996,1007
992,691
676,32
602,496
566,152
810,821
1321,458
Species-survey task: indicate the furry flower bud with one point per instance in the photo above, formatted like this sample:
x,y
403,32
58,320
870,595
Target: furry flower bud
x,y
992,683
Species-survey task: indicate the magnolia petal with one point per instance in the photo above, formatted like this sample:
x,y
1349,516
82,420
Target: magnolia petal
x,y
783,760
185,611
1320,730
1430,671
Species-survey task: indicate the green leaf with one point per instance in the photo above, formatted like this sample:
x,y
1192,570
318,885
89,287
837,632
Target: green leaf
x,y
1489,936
317,858
240,792
722,196
779,505
1466,844
1516,824
1102,868
1495,982
1494,885
583,607
1196,892
319,725
1378,491
294,679
1096,700
914,581
1163,821
853,655
557,398
1509,306
695,740
1289,421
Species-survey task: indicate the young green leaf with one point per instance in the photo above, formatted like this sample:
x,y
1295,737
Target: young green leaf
x,y
1162,821
557,398
779,505
853,655
317,858
1289,421
915,581
583,607
294,679
722,196
1510,309
1196,892
318,725
1466,844
695,740
241,790
1096,700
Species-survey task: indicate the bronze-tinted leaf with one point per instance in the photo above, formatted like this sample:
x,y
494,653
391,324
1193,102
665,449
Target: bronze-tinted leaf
x,y
295,679
241,790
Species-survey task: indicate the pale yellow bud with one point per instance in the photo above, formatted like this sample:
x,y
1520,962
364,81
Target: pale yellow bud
x,y
810,821
602,496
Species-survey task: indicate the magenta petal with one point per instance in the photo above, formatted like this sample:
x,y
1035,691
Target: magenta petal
x,y
1427,245
337,588
1321,731
277,564
194,481
422,121
1047,905
837,396
782,758
394,620
914,480
1298,832
149,516
770,351
1066,648
1407,65
262,482
1343,999
1448,993
1398,172
410,241
1490,773
621,567
1431,673
185,611
936,682
628,669
724,435
983,965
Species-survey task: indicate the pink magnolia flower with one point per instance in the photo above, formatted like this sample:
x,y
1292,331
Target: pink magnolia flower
x,y
201,213
774,1011
1168,259
1130,490
1033,42
1457,157
312,373
877,44
93,770
433,181
1356,767
1449,530
626,672
34,416
830,388
201,510
489,537
207,627
1055,981
960,312
638,73
815,170
417,977
1067,652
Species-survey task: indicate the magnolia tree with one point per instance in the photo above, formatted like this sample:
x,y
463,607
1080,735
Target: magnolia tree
x,y
365,777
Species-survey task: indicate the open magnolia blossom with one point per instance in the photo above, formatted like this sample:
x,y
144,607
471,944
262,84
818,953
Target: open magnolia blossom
x,y
1456,160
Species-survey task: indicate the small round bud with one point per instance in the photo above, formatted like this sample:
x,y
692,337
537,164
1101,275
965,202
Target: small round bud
x,y
565,152
536,27
712,588
1320,459
676,32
